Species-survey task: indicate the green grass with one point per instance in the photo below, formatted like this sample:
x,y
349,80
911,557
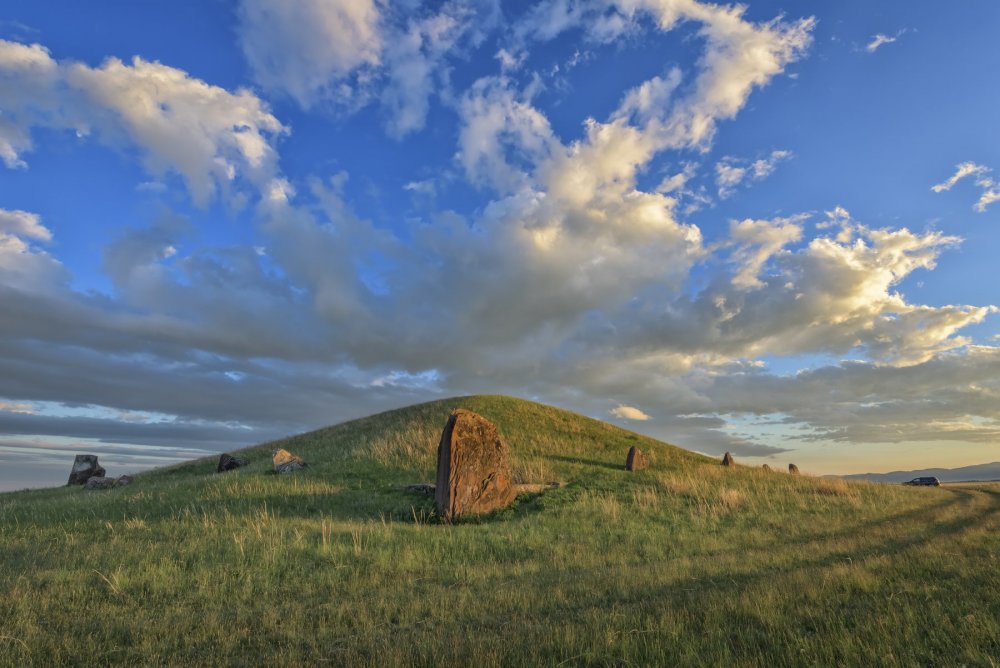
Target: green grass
x,y
686,563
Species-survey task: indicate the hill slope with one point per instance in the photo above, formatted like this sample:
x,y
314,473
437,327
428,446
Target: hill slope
x,y
686,563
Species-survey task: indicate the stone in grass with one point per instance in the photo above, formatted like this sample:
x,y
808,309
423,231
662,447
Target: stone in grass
x,y
727,460
102,482
84,468
420,488
286,462
765,467
227,463
793,469
636,460
473,472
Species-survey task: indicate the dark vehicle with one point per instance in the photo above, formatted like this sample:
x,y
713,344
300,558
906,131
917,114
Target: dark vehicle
x,y
929,481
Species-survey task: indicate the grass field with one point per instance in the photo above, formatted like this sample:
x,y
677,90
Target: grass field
x,y
686,563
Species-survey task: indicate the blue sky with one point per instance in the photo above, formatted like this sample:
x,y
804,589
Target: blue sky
x,y
766,229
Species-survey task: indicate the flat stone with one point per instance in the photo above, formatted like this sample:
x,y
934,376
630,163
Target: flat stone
x,y
100,482
473,472
84,468
420,488
636,460
286,462
123,480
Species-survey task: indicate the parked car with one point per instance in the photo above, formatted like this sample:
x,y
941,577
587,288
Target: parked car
x,y
929,481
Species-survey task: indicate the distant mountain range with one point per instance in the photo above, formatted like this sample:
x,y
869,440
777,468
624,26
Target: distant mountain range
x,y
978,472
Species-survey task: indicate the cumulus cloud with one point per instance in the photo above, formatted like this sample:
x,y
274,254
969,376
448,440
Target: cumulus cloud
x,y
348,53
24,224
212,138
629,413
308,48
988,185
756,242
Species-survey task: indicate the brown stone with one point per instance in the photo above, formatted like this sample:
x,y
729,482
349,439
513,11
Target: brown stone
x,y
793,469
84,468
286,462
636,460
473,472
765,467
727,460
227,463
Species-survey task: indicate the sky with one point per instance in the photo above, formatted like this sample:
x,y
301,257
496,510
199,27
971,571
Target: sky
x,y
767,228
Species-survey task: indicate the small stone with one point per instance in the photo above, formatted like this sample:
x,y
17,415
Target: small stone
x,y
473,472
727,460
765,467
123,480
636,460
100,482
286,462
420,488
793,469
84,468
227,463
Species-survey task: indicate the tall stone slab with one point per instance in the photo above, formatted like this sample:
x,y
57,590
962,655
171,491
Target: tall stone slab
x,y
636,460
727,460
793,469
473,472
84,468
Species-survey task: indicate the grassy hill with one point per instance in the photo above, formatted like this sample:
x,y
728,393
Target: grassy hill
x,y
686,563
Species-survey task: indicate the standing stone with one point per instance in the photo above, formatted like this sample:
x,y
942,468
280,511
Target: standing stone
x,y
727,460
473,472
793,469
227,463
84,468
636,460
286,462
765,467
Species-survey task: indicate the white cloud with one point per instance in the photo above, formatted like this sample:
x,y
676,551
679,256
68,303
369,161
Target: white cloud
x,y
629,413
308,48
989,186
210,137
756,242
21,263
730,172
349,52
880,40
961,171
23,223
